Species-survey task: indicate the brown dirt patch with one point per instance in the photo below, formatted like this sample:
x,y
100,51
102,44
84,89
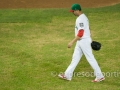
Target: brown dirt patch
x,y
54,3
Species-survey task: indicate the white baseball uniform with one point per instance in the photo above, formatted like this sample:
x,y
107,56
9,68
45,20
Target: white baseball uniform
x,y
83,46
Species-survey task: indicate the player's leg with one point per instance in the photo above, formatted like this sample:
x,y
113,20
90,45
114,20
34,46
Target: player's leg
x,y
75,60
86,48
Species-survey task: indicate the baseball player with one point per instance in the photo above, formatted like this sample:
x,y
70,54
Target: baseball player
x,y
83,46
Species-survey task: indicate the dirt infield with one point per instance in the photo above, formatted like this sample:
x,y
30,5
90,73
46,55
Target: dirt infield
x,y
54,3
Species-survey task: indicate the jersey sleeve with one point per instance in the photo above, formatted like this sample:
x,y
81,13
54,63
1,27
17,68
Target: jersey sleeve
x,y
80,33
80,25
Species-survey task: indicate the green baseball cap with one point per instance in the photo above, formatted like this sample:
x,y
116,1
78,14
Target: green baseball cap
x,y
75,7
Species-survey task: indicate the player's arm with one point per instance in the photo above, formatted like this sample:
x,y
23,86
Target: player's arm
x,y
79,35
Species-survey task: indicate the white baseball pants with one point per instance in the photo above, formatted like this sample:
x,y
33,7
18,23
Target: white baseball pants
x,y
83,46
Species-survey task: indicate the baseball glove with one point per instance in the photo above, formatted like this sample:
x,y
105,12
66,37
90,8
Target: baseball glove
x,y
96,45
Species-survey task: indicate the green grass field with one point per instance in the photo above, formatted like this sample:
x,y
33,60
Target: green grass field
x,y
33,49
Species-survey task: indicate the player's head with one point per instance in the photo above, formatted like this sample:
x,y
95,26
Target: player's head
x,y
75,9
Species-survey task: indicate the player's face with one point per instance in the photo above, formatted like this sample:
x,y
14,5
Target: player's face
x,y
75,12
